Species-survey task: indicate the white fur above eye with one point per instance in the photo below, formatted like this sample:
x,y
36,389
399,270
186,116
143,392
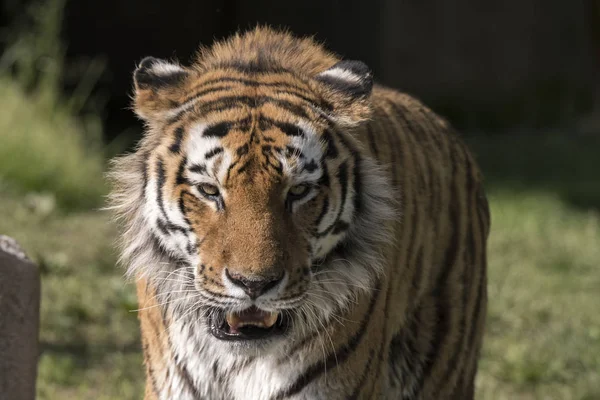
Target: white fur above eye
x,y
197,148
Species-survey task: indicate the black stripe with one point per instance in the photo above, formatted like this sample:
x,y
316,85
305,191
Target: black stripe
x,y
403,349
336,358
158,247
450,257
183,373
242,150
252,83
218,295
394,143
220,104
410,188
176,145
332,151
324,180
162,226
291,151
323,212
204,92
210,154
340,226
469,265
343,180
145,347
417,278
153,383
182,208
357,186
323,104
309,338
363,378
181,179
223,102
191,248
246,82
356,172
273,163
371,139
168,228
482,278
244,167
310,166
217,131
357,195
160,183
258,67
144,166
198,168
229,169
229,102
285,127
295,109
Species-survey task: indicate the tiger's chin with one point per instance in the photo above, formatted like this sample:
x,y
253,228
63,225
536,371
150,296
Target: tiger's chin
x,y
251,327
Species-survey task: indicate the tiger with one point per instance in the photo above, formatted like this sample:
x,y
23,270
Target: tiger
x,y
297,231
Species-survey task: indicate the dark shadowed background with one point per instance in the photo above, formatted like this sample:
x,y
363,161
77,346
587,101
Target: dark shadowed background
x,y
484,64
519,78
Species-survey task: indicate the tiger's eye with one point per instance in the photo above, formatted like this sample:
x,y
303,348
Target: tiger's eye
x,y
299,190
208,189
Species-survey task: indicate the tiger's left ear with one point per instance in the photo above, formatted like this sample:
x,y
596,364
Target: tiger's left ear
x,y
347,86
158,86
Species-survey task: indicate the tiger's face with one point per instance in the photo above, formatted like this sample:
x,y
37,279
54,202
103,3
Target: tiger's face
x,y
249,189
252,192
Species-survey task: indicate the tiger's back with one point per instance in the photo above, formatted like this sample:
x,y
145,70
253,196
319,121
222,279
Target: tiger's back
x,y
376,259
439,265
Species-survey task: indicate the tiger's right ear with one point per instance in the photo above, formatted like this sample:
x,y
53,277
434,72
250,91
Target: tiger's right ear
x,y
158,86
347,85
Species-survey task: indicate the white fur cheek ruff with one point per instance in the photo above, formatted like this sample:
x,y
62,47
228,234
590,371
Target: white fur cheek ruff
x,y
337,284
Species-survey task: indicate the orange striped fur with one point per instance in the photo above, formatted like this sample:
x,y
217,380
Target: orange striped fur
x,y
357,212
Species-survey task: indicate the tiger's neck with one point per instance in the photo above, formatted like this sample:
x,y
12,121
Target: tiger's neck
x,y
184,362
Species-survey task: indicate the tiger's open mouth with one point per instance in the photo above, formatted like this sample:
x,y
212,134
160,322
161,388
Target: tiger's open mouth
x,y
249,324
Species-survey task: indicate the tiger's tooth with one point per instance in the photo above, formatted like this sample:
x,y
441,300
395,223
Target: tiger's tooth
x,y
270,319
233,319
259,324
236,320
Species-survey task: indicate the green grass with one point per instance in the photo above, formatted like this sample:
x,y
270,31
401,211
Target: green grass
x,y
43,149
89,336
543,331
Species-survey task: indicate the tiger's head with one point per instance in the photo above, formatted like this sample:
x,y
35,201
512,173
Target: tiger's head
x,y
248,203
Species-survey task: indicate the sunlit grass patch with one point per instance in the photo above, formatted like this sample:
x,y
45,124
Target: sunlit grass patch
x,y
543,331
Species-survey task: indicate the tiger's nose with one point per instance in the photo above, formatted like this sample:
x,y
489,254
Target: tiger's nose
x,y
254,286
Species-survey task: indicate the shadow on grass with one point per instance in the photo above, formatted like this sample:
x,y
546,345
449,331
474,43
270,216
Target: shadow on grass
x,y
566,165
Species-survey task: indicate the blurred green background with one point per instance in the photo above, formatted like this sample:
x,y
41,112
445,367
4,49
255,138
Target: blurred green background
x,y
543,330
